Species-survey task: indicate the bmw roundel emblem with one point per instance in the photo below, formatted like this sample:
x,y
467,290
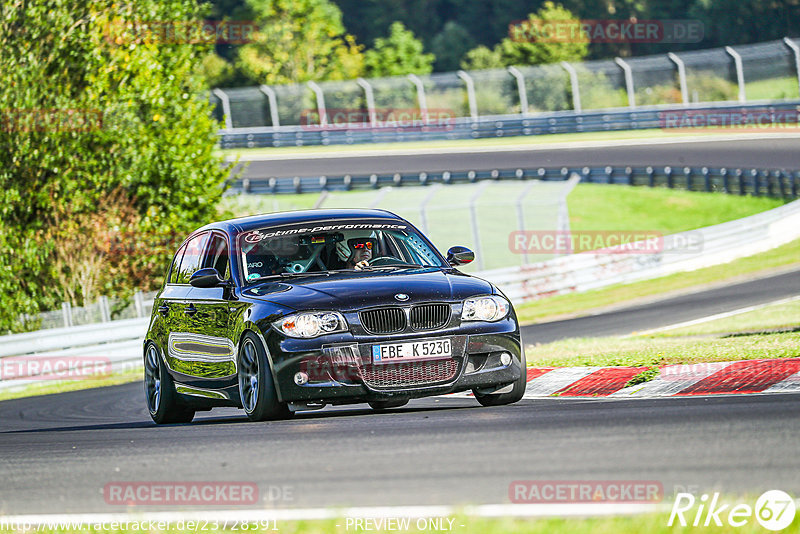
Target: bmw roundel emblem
x,y
402,297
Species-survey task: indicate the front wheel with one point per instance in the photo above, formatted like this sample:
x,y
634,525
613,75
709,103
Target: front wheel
x,y
500,399
256,387
159,390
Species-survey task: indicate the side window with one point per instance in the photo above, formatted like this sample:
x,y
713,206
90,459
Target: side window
x,y
217,256
192,257
176,263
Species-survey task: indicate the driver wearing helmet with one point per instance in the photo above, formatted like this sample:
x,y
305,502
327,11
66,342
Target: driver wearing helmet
x,y
356,252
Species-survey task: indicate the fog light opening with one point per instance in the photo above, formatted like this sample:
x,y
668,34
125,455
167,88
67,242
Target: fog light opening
x,y
505,359
301,378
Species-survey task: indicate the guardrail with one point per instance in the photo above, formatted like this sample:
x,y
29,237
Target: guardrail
x,y
755,114
737,181
59,351
712,245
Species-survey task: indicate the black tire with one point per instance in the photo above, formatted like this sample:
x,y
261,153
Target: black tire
x,y
256,388
159,391
512,396
379,406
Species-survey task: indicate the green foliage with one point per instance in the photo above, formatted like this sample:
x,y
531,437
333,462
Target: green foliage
x,y
398,54
482,58
105,134
526,46
216,70
708,87
450,45
298,41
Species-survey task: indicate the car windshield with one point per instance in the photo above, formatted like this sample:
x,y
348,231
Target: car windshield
x,y
333,246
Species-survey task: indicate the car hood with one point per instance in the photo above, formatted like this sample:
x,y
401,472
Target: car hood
x,y
356,290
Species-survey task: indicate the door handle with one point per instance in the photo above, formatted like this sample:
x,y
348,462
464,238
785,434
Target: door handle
x,y
163,310
190,310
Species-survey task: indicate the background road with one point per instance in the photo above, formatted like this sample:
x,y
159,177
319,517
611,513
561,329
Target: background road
x,y
771,153
669,311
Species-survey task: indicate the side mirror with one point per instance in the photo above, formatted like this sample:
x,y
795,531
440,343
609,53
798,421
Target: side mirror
x,y
208,277
459,256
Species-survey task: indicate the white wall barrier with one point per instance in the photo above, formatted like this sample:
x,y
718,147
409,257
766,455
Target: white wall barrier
x,y
675,253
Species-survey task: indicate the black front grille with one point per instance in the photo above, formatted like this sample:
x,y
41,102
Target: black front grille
x,y
384,320
429,316
409,373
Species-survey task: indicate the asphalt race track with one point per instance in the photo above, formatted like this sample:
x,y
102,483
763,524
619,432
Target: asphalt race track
x,y
769,153
58,452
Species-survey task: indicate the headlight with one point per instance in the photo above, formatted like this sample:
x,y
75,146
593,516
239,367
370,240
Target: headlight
x,y
311,324
489,308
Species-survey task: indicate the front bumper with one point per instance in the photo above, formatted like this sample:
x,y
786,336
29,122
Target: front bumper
x,y
476,355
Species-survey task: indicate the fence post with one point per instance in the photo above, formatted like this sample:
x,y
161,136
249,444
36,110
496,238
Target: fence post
x,y
576,90
626,69
421,102
476,235
668,172
681,77
523,95
365,85
66,311
423,207
521,215
105,311
138,303
796,51
470,85
226,107
651,176
273,104
706,178
323,113
737,61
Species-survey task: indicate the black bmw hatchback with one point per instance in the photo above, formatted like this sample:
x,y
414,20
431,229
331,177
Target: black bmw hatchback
x,y
295,311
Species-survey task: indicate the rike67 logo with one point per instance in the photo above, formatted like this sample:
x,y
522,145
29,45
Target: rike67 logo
x,y
774,510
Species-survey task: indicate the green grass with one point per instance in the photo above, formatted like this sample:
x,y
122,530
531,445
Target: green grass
x,y
603,207
653,350
582,303
772,89
61,386
777,316
651,523
467,143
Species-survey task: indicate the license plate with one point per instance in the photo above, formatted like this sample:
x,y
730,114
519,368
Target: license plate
x,y
411,351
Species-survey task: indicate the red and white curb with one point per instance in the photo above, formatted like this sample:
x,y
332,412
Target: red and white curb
x,y
716,378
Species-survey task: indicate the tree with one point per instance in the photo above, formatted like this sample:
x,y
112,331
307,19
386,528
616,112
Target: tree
x,y
529,43
399,53
482,58
298,41
106,132
450,45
